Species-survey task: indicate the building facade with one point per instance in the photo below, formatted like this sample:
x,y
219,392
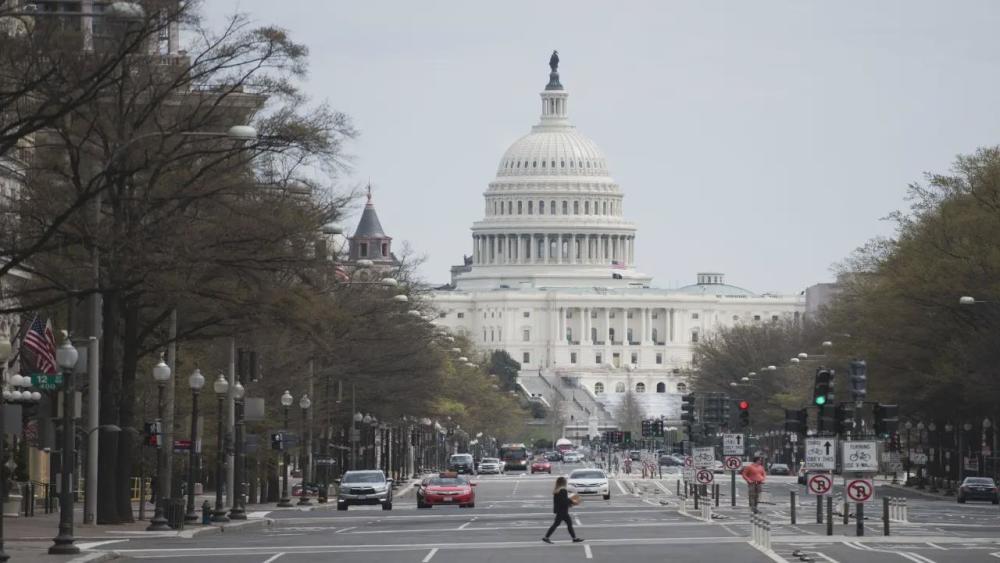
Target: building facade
x,y
553,281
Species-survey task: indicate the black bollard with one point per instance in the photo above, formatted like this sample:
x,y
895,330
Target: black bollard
x,y
791,506
829,516
819,509
696,498
847,513
715,489
732,488
885,516
859,515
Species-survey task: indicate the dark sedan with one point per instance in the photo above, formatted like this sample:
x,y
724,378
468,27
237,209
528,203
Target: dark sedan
x,y
780,469
978,488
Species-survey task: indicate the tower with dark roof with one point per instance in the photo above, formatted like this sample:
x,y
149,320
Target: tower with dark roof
x,y
369,241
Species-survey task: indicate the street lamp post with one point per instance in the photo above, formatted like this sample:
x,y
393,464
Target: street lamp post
x,y
159,523
931,433
221,387
285,502
5,351
304,404
355,420
948,428
238,510
195,381
962,445
66,357
921,471
909,451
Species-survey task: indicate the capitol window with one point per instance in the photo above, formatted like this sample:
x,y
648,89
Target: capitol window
x,y
534,164
635,358
694,337
526,335
565,208
682,388
774,317
531,207
572,357
756,317
586,208
543,164
598,388
661,387
525,358
552,208
526,314
461,315
605,208
553,164
659,358
519,164
509,207
619,387
598,359
562,164
640,387
576,208
519,209
541,208
695,316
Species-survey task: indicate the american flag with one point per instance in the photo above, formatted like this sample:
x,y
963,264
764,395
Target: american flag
x,y
616,265
40,340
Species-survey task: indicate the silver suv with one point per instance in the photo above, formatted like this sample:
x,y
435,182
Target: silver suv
x,y
364,487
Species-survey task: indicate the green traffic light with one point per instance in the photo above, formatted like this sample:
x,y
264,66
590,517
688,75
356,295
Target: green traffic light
x,y
821,400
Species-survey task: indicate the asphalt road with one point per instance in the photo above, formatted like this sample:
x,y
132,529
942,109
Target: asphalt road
x,y
640,523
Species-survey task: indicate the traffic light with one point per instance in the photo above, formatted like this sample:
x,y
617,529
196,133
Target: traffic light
x,y
725,412
658,429
687,408
647,429
843,418
823,387
152,431
744,413
859,379
627,438
886,419
277,441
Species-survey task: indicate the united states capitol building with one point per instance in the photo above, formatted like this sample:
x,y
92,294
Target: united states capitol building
x,y
552,280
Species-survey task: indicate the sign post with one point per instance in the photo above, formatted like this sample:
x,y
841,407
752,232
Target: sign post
x,y
821,455
733,444
733,464
860,491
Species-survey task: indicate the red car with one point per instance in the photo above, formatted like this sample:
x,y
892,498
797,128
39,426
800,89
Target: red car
x,y
446,488
541,466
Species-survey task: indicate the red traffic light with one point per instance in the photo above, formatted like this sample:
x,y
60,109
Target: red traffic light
x,y
744,405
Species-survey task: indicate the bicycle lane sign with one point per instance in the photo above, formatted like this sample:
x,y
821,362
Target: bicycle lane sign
x,y
860,456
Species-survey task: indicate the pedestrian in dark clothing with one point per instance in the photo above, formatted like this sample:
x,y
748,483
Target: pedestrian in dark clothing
x,y
561,501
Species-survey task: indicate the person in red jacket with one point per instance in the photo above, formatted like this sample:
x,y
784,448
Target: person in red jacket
x,y
754,475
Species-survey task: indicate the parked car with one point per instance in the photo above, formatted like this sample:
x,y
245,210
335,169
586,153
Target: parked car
x,y
635,455
541,465
978,488
572,457
364,487
589,482
461,463
670,461
311,489
490,465
553,456
780,469
446,488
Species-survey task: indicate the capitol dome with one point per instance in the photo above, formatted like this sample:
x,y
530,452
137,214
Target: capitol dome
x,y
553,151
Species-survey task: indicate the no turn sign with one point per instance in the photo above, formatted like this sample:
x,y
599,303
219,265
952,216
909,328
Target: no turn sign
x,y
705,476
733,463
860,490
820,484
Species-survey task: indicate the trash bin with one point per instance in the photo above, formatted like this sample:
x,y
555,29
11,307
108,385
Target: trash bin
x,y
175,513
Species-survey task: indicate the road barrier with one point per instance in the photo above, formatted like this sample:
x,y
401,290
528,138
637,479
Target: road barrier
x,y
791,507
760,532
898,511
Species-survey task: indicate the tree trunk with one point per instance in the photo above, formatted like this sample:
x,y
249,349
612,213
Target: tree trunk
x,y
109,483
126,408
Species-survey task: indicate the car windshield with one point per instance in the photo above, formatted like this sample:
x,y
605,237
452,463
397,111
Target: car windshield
x,y
461,457
367,477
779,466
587,475
446,482
979,481
491,460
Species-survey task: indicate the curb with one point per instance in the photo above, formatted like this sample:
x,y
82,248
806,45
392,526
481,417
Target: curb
x,y
95,557
247,524
937,496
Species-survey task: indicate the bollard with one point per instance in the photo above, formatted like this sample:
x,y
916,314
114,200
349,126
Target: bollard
x,y
678,487
716,491
847,513
905,517
755,536
791,506
767,535
885,515
732,487
819,509
859,516
829,516
696,499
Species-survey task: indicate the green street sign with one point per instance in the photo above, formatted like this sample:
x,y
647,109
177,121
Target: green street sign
x,y
45,382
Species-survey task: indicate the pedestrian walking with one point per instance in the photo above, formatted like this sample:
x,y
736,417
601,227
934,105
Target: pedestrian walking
x,y
754,475
561,501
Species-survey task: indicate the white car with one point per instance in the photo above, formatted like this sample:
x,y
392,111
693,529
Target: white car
x,y
572,457
589,482
490,465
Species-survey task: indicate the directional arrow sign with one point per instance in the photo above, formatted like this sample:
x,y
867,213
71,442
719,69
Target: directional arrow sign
x,y
732,444
821,454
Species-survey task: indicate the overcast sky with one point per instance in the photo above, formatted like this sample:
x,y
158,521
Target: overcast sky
x,y
762,139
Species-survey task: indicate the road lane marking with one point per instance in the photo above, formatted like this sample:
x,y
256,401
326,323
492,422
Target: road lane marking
x,y
463,526
342,530
825,556
429,556
91,545
620,487
587,552
273,557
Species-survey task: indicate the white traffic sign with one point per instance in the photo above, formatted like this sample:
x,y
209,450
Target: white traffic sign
x,y
860,456
705,476
733,463
704,457
688,462
821,454
689,474
820,484
733,444
860,490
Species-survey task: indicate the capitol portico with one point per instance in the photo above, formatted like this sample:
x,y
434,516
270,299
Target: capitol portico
x,y
552,280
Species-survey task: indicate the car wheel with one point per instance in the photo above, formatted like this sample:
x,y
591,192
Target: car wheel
x,y
341,506
471,505
607,496
996,501
961,500
386,506
422,504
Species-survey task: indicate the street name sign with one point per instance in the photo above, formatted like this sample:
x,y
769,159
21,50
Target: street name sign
x,y
821,454
705,476
860,456
704,457
732,444
733,463
860,490
45,382
820,484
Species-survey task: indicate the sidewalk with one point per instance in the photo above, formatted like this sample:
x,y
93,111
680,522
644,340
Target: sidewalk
x,y
29,538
